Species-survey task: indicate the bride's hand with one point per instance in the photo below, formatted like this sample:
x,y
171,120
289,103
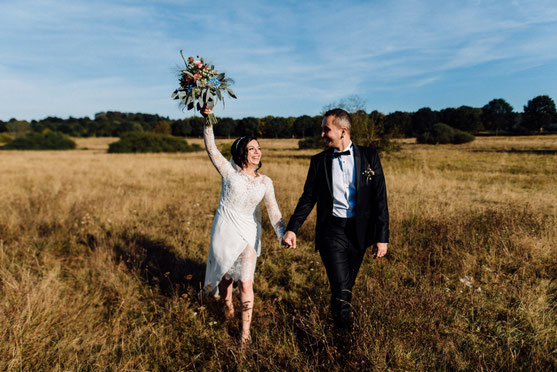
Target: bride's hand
x,y
206,111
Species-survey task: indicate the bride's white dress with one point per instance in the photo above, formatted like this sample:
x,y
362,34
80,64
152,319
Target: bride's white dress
x,y
236,233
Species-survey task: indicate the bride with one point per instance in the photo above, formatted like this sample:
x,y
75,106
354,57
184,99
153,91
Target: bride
x,y
236,233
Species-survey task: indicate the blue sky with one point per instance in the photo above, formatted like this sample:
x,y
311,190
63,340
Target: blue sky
x,y
288,58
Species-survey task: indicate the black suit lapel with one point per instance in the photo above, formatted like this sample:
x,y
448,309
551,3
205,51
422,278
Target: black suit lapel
x,y
357,167
328,165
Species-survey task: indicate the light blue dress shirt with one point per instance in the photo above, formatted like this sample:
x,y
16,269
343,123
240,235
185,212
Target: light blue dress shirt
x,y
344,184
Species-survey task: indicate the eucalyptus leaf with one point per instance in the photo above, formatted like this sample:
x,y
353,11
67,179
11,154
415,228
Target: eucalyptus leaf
x,y
183,57
209,98
231,93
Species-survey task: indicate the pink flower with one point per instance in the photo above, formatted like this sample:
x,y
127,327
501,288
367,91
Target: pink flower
x,y
198,64
196,77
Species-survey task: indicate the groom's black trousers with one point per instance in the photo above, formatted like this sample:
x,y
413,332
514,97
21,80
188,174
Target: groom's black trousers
x,y
342,260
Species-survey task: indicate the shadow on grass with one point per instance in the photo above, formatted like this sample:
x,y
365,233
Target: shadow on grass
x,y
157,264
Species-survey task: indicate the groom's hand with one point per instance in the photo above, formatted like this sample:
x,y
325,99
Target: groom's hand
x,y
289,239
381,249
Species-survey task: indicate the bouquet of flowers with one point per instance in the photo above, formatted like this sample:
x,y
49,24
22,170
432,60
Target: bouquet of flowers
x,y
201,84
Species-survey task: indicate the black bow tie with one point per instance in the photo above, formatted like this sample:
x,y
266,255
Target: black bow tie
x,y
337,154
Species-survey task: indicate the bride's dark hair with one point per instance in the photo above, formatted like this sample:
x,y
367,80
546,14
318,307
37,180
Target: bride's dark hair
x,y
239,151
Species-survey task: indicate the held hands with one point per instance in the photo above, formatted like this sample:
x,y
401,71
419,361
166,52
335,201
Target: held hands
x,y
381,249
289,240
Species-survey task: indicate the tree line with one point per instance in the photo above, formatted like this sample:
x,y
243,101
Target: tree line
x,y
497,117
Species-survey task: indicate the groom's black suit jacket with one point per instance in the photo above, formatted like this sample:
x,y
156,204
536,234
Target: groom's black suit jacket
x,y
371,212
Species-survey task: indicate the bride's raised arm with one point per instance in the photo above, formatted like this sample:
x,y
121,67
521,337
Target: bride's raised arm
x,y
273,209
219,161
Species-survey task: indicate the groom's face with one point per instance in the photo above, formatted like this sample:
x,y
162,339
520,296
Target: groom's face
x,y
332,133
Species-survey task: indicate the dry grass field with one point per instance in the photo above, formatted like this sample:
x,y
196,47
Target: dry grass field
x,y
101,257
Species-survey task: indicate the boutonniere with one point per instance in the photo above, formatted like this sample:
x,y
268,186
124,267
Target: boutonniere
x,y
368,174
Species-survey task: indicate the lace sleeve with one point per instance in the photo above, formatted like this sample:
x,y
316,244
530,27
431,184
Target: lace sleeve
x,y
273,209
219,161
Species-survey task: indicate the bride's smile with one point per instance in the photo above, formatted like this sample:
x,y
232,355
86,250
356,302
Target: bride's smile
x,y
254,153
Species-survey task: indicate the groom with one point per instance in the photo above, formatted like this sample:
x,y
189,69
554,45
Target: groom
x,y
347,183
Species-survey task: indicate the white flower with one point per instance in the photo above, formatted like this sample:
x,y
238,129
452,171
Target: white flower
x,y
467,281
368,174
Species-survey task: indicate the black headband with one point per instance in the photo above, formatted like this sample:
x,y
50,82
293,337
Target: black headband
x,y
237,143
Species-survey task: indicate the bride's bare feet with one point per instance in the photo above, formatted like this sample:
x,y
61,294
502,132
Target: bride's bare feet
x,y
245,340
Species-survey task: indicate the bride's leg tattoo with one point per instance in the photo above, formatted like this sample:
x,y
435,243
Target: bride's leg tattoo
x,y
247,297
246,291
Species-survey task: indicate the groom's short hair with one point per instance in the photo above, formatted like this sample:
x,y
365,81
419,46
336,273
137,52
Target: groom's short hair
x,y
341,119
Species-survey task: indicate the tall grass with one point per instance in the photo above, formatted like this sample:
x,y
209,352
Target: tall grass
x,y
101,257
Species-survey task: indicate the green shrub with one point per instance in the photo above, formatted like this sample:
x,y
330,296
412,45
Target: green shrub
x,y
386,144
442,133
5,138
41,141
315,142
150,142
225,149
462,137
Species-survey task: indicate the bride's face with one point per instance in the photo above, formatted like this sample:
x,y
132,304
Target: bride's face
x,y
254,154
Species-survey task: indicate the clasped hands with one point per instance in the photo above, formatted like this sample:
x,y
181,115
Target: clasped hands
x,y
289,240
